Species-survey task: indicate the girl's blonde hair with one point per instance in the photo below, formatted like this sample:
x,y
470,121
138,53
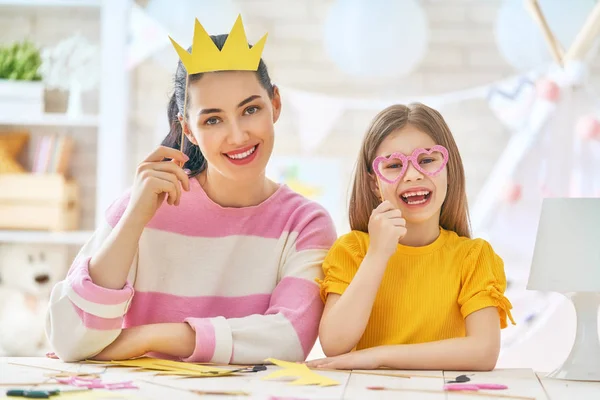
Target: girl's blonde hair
x,y
454,215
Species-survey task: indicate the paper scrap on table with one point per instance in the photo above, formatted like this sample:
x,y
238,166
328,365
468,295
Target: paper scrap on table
x,y
168,367
301,371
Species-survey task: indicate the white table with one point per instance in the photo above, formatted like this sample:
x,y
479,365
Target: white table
x,y
522,383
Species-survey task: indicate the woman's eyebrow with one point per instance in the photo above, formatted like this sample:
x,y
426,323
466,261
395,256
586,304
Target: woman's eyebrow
x,y
218,110
209,111
248,100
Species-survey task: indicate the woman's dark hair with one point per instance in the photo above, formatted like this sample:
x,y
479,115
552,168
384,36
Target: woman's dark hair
x,y
197,162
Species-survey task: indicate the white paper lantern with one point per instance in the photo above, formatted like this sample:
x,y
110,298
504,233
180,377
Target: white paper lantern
x,y
177,17
521,41
376,38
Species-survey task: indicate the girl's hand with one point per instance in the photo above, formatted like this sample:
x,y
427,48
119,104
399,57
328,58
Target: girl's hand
x,y
131,343
361,359
386,228
155,180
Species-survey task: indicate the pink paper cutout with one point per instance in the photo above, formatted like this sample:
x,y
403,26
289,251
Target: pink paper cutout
x,y
95,383
414,159
474,386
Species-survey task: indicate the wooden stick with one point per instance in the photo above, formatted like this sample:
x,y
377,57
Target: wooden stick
x,y
61,373
224,371
349,371
183,123
220,392
376,373
30,384
536,12
201,392
379,187
586,36
399,376
37,366
488,394
226,365
461,392
383,374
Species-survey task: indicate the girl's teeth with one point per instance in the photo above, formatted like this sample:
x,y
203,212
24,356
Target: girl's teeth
x,y
420,193
417,201
242,155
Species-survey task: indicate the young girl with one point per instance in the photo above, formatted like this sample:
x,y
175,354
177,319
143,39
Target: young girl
x,y
214,265
408,288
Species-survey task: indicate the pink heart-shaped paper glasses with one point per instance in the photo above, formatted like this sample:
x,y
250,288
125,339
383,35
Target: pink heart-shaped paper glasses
x,y
427,161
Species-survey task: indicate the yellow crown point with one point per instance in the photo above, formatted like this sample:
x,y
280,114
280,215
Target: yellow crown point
x,y
236,55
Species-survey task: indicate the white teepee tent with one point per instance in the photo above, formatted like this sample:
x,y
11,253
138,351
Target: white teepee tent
x,y
555,153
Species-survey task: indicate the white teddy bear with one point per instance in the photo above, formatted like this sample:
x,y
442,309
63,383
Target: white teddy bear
x,y
27,274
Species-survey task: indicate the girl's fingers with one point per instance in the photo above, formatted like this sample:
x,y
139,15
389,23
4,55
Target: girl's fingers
x,y
383,207
395,213
398,221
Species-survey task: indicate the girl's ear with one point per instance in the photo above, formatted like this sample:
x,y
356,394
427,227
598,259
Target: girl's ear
x,y
186,130
276,103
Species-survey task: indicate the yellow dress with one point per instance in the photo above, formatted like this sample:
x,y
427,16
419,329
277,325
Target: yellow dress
x,y
426,292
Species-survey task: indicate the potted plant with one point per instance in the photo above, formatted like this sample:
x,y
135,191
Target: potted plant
x,y
21,86
72,65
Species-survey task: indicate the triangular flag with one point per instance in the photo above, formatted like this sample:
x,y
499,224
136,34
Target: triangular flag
x,y
511,101
301,371
315,116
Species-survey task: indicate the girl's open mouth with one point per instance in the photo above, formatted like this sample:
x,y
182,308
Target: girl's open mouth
x,y
416,198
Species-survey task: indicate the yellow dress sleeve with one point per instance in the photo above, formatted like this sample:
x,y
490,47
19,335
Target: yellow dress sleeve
x,y
484,283
340,265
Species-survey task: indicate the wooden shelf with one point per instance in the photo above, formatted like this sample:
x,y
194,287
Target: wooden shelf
x,y
51,3
70,237
49,119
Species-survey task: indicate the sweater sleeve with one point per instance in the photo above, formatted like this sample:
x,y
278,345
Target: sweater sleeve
x,y
289,327
484,282
83,318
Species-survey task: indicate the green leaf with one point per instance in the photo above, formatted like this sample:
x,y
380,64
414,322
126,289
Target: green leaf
x,y
20,60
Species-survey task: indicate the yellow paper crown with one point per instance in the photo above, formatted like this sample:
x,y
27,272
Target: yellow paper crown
x,y
236,55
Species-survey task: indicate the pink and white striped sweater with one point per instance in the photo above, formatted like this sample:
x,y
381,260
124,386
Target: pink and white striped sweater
x,y
243,278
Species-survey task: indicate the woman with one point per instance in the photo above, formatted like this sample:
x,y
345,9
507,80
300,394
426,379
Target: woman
x,y
222,260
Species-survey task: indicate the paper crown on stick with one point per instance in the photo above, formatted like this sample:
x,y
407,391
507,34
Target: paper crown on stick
x,y
236,55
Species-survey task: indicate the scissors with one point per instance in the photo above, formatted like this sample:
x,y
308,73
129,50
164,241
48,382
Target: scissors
x,y
38,394
256,368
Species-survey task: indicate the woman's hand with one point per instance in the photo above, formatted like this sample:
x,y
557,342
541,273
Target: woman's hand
x,y
174,339
156,180
361,359
386,228
131,343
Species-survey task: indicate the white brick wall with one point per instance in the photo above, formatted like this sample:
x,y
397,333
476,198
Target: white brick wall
x,y
462,53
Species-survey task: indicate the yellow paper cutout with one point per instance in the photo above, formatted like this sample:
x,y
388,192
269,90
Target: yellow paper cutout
x,y
194,374
169,367
301,371
235,55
